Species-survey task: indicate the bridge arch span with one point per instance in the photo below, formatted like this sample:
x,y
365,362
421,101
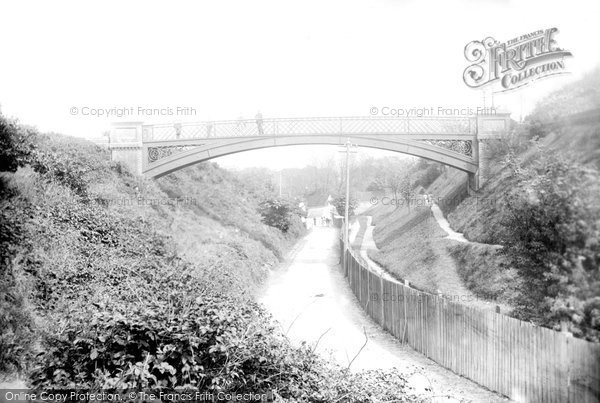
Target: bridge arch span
x,y
156,150
221,147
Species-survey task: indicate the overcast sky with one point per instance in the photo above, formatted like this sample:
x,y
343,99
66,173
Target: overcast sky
x,y
231,59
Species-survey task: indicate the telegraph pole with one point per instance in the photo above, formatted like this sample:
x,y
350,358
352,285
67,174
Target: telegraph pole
x,y
346,226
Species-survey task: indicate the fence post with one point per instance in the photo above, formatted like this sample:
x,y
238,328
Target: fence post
x,y
381,301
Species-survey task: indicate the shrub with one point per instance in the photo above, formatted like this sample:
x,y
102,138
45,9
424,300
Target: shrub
x,y
376,185
15,145
207,344
15,318
428,174
278,213
339,202
507,149
552,216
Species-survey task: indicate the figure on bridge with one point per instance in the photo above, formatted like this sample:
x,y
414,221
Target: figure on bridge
x,y
259,123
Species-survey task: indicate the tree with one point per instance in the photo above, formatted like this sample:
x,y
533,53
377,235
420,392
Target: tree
x,y
428,172
339,202
278,213
377,185
398,179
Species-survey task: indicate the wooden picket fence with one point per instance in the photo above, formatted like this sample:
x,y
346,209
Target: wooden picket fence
x,y
517,359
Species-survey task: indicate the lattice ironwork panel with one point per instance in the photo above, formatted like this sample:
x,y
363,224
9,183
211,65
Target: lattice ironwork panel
x,y
422,125
373,125
464,147
241,128
308,126
176,131
158,153
442,126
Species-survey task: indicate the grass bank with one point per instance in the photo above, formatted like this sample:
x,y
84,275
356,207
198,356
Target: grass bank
x,y
412,246
540,205
112,281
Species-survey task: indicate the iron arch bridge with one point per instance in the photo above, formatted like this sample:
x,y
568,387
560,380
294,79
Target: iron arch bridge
x,y
459,142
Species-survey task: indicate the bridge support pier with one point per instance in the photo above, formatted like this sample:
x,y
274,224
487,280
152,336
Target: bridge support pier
x,y
473,183
481,152
125,145
490,128
483,173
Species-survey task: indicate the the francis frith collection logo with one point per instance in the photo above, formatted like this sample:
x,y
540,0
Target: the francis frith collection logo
x,y
514,63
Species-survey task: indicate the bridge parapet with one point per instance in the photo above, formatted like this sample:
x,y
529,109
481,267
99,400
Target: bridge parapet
x,y
425,127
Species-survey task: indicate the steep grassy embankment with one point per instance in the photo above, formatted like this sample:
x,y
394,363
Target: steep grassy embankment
x,y
541,205
110,281
413,247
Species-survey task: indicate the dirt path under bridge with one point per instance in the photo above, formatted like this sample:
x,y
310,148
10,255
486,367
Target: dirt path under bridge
x,y
310,298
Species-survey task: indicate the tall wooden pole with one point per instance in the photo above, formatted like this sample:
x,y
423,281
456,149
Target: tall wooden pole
x,y
347,227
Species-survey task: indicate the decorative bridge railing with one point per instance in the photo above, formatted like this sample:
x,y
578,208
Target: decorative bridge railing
x,y
434,126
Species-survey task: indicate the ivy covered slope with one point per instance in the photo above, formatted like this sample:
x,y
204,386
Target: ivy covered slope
x,y
106,283
542,206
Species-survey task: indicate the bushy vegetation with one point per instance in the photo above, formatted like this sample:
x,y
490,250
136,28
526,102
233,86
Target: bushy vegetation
x,y
535,221
105,286
552,216
427,172
542,206
15,145
281,214
339,202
